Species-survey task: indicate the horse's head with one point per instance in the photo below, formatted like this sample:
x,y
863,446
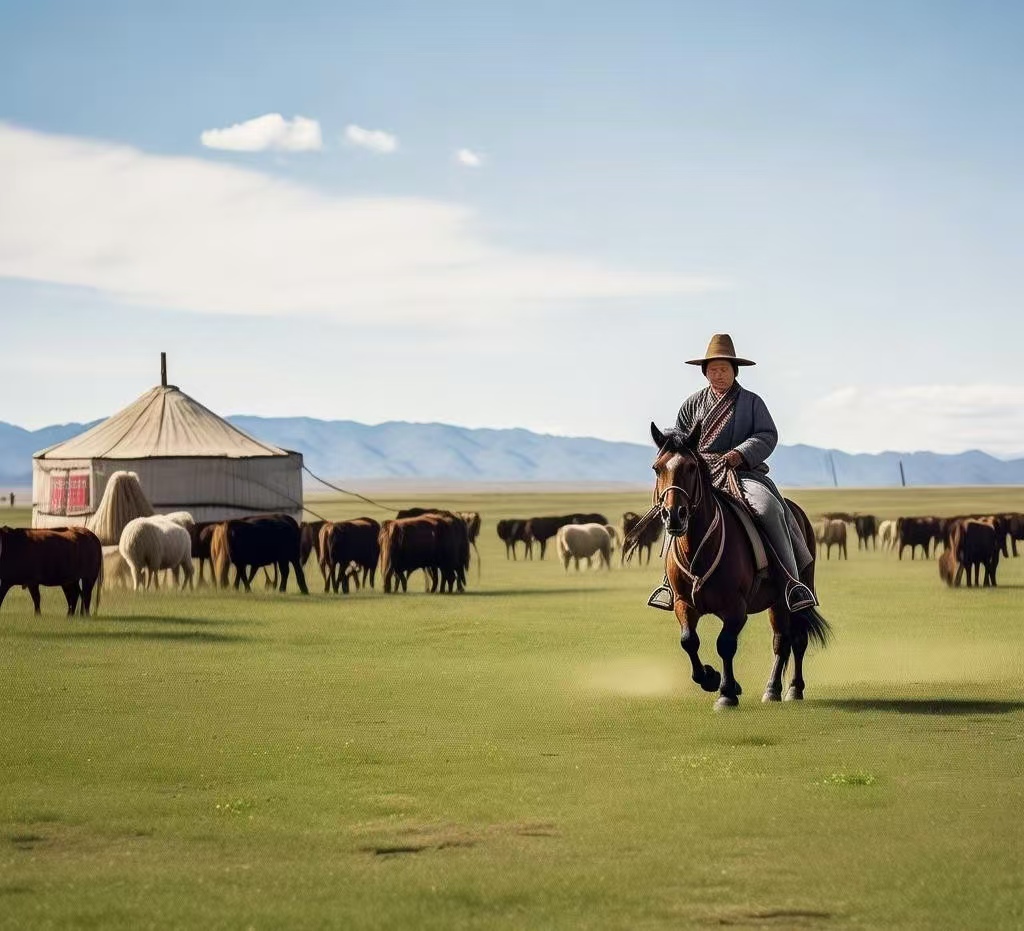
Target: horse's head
x,y
679,481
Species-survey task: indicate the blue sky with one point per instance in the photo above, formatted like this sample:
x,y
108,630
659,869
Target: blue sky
x,y
837,185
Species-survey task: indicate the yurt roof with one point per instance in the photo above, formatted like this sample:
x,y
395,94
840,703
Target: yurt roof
x,y
164,422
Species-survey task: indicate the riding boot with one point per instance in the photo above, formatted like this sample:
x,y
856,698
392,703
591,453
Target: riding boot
x,y
662,597
799,596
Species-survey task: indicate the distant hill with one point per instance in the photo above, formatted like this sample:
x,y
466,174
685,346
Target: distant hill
x,y
337,449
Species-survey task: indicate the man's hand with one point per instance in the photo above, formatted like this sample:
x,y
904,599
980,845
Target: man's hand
x,y
733,459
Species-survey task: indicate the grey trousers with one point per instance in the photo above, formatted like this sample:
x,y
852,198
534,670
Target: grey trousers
x,y
783,529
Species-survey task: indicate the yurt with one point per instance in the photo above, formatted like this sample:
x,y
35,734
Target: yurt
x,y
186,457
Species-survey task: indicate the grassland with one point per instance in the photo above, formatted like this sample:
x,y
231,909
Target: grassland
x,y
529,755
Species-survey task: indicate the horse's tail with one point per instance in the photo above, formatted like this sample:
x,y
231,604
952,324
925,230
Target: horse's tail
x,y
819,630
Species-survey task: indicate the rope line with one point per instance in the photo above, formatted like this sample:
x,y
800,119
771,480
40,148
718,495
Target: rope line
x,y
345,491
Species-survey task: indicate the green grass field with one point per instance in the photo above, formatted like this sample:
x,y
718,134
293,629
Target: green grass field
x,y
531,754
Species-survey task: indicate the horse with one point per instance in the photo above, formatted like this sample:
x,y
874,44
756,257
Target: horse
x,y
711,570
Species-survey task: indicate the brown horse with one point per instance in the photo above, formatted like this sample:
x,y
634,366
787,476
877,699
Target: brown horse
x,y
711,570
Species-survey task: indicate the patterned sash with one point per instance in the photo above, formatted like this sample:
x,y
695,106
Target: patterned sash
x,y
713,423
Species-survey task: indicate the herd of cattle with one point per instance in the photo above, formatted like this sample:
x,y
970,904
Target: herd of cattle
x,y
438,542
970,543
577,536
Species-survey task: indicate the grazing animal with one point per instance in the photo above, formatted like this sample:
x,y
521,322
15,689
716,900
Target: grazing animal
x,y
914,532
711,569
582,541
435,543
151,544
68,557
1014,529
345,544
650,534
202,534
512,531
309,539
542,529
887,534
832,533
975,546
265,540
472,519
866,526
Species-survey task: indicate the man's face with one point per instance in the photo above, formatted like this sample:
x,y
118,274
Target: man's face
x,y
720,375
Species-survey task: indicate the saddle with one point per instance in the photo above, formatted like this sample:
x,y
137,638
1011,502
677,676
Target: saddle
x,y
757,543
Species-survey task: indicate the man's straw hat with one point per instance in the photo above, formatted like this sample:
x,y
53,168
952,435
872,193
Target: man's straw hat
x,y
721,347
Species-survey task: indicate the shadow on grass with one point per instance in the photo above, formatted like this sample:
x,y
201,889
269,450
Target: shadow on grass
x,y
924,705
531,592
182,636
162,619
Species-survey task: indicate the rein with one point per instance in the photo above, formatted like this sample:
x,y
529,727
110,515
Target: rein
x,y
697,581
671,546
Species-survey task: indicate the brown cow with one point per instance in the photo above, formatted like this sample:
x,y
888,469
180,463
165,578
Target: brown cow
x,y
831,533
309,539
866,526
264,540
974,546
512,531
202,534
435,543
472,519
916,531
68,557
346,543
1014,528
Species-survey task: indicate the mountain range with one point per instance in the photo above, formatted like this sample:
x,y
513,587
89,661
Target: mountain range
x,y
344,449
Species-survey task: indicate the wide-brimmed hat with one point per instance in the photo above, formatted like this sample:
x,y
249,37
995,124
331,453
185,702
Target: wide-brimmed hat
x,y
721,347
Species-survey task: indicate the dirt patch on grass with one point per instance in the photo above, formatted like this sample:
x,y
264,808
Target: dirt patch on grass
x,y
641,677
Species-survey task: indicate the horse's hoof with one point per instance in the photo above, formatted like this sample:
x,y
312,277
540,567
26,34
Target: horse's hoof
x,y
712,679
738,689
794,694
726,701
772,695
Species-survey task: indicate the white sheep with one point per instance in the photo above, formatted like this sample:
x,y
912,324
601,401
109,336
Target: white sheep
x,y
151,544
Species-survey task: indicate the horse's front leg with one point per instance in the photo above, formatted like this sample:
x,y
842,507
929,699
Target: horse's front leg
x,y
782,645
728,641
705,676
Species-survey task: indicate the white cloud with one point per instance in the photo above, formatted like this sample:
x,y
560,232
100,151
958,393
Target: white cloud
x,y
940,418
271,131
469,158
376,140
205,236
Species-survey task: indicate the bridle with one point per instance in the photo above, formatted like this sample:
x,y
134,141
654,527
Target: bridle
x,y
672,536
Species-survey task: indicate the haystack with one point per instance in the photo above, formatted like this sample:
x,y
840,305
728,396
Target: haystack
x,y
123,500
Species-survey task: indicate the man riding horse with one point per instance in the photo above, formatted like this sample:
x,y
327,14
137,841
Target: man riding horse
x,y
737,434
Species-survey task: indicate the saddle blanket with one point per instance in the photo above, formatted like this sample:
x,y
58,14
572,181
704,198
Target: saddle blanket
x,y
754,535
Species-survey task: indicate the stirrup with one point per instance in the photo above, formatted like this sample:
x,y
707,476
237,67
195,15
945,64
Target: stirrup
x,y
799,597
662,598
